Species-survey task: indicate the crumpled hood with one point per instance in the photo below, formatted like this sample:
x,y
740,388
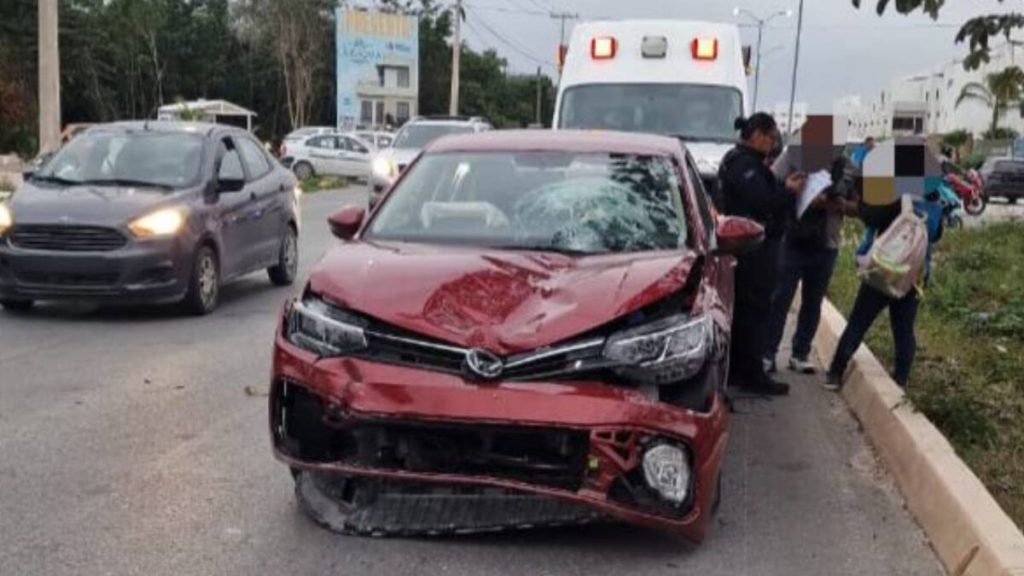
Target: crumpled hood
x,y
94,205
504,301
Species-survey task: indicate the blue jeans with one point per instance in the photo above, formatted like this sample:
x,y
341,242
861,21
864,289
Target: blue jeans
x,y
866,308
813,268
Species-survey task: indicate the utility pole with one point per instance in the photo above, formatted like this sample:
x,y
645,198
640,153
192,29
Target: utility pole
x,y
761,22
540,97
49,77
796,62
456,59
563,17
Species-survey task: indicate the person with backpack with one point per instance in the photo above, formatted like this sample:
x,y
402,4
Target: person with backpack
x,y
809,254
894,260
750,189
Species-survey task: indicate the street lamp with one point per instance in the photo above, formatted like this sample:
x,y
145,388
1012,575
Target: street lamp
x,y
761,22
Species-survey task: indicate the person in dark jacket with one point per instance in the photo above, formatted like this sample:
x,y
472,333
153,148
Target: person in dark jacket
x,y
751,190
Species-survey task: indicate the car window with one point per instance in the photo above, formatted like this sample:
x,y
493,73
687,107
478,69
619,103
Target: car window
x,y
352,145
326,142
254,158
384,141
230,164
594,203
704,210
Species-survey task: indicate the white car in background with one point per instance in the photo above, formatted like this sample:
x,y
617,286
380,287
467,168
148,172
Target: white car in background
x,y
389,163
380,140
334,154
298,136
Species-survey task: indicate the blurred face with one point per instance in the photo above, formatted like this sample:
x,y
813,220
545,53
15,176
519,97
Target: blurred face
x,y
764,142
870,143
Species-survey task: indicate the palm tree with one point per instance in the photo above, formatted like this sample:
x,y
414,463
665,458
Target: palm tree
x,y
1000,91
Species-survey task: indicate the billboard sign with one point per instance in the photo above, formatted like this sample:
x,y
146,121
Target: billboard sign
x,y
377,68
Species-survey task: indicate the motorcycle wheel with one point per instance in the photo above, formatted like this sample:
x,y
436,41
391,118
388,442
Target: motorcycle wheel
x,y
954,222
976,206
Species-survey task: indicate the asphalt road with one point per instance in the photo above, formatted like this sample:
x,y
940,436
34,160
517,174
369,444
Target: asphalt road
x,y
130,445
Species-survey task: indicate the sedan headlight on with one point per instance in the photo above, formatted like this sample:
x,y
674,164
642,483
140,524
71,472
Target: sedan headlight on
x,y
323,329
6,218
663,352
384,168
165,222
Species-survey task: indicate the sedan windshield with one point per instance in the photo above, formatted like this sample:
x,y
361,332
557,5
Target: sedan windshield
x,y
703,113
583,203
137,157
419,135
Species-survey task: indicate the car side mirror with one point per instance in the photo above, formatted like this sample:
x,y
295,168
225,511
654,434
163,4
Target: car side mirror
x,y
738,235
347,221
230,184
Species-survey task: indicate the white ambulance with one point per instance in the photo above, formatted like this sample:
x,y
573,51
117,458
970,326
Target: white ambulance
x,y
681,78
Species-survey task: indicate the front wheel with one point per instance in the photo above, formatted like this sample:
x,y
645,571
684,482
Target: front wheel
x,y
204,284
303,171
16,305
954,222
284,272
976,206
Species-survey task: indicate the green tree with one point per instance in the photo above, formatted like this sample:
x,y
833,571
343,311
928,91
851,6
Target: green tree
x,y
999,91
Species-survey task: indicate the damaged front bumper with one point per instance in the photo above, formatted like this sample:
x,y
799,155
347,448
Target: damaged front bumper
x,y
404,444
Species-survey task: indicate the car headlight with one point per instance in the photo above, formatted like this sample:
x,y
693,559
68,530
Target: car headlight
x,y
384,167
164,222
323,329
663,352
667,472
6,218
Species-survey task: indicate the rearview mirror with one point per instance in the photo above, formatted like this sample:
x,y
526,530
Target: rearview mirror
x,y
738,235
347,221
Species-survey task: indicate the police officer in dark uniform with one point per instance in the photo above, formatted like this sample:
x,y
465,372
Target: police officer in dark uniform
x,y
751,190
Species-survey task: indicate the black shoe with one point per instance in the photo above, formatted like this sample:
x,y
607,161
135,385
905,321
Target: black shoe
x,y
769,387
833,382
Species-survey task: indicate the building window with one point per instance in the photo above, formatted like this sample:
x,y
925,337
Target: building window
x,y
366,112
380,113
403,79
402,112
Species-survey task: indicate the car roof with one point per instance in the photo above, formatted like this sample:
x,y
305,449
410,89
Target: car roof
x,y
559,141
204,128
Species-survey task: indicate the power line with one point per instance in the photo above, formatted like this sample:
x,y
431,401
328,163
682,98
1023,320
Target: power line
x,y
525,12
504,40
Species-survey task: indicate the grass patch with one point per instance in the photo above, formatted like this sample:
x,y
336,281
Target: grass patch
x,y
968,378
321,183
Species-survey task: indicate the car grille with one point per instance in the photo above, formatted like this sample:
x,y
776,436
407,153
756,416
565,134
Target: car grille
x,y
552,457
69,279
66,238
397,347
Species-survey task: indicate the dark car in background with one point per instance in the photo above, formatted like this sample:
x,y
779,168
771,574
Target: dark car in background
x,y
531,329
148,212
1004,178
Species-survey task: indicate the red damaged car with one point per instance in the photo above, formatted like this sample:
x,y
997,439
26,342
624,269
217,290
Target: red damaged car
x,y
532,328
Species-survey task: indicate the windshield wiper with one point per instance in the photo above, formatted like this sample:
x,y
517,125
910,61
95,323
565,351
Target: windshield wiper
x,y
55,180
548,248
127,182
688,138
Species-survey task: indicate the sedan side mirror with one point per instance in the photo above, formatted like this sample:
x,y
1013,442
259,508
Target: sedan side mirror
x,y
738,235
347,221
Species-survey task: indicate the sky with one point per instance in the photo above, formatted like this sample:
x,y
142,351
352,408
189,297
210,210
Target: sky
x,y
843,50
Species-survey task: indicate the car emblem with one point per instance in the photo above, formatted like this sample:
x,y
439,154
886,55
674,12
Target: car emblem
x,y
484,364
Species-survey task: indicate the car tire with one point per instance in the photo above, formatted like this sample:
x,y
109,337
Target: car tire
x,y
284,272
16,305
204,283
303,171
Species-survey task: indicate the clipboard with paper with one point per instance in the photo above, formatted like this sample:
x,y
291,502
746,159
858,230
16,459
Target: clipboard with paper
x,y
817,183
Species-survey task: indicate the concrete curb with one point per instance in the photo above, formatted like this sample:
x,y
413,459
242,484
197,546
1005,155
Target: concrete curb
x,y
971,534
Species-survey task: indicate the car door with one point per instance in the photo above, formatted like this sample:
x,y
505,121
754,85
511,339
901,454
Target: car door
x,y
269,197
355,157
236,212
325,156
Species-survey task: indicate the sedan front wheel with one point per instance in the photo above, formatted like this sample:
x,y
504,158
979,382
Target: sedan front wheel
x,y
204,284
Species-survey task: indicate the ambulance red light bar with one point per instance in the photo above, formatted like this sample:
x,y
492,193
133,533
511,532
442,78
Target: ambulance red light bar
x,y
704,48
603,48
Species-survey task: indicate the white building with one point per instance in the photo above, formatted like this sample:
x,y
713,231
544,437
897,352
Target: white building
x,y
781,114
925,103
